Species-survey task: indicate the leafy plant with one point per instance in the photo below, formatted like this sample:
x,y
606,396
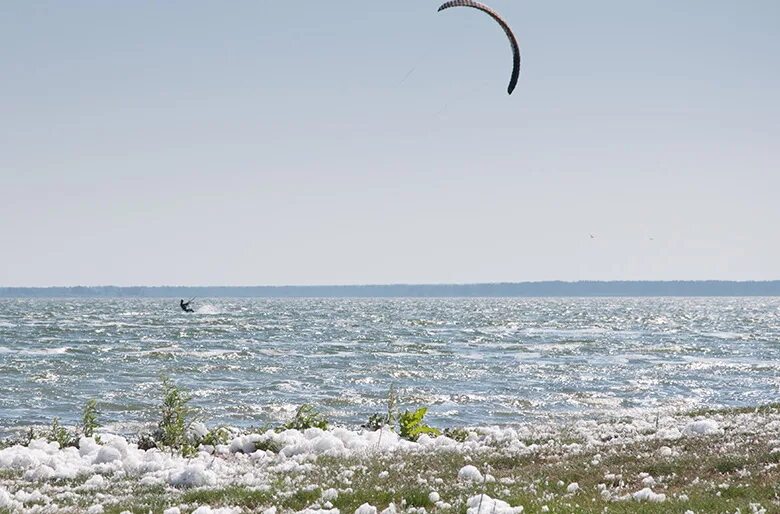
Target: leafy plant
x,y
29,436
378,421
457,434
60,434
268,444
412,427
307,417
89,420
146,442
219,435
174,420
392,406
25,440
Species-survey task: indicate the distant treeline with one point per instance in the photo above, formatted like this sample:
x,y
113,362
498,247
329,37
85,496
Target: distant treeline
x,y
522,289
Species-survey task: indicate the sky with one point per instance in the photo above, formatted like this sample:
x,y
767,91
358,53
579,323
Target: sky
x,y
353,142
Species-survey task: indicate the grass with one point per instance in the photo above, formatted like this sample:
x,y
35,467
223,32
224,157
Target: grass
x,y
691,480
9,474
141,502
715,474
235,496
535,484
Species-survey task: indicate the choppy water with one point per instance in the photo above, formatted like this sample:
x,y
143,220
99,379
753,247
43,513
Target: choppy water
x,y
474,361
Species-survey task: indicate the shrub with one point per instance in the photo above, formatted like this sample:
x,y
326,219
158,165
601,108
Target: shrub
x,y
29,436
307,417
24,440
171,432
378,421
730,464
412,426
89,420
457,434
60,434
392,407
146,442
269,444
219,435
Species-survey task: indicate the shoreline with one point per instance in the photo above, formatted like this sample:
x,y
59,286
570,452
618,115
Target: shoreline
x,y
703,461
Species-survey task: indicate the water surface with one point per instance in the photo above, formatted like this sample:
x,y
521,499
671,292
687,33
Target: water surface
x,y
473,361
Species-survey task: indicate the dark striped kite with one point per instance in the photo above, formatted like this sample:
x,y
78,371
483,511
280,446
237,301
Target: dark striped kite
x,y
504,25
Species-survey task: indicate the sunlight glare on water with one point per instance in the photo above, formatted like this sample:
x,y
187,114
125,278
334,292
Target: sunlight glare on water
x,y
473,361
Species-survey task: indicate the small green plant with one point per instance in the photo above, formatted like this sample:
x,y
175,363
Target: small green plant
x,y
306,417
29,436
59,434
457,434
378,421
392,406
219,435
25,440
412,426
146,442
89,420
729,464
174,420
269,444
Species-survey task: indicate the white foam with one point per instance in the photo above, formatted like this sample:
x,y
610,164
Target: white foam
x,y
239,463
208,510
484,504
366,508
208,309
193,475
648,495
470,474
7,502
702,428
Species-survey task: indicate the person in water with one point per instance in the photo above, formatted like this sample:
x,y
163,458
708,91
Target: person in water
x,y
185,306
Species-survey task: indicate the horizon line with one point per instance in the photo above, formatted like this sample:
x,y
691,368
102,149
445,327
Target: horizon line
x,y
557,288
407,284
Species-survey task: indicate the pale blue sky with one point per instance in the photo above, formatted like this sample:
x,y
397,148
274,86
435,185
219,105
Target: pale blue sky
x,y
268,142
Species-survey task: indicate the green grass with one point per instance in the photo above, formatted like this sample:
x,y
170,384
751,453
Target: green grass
x,y
692,479
234,496
130,497
9,474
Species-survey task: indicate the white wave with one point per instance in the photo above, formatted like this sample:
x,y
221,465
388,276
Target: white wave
x,y
208,309
212,353
46,351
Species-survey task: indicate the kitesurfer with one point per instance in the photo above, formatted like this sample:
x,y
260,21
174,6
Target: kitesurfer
x,y
185,306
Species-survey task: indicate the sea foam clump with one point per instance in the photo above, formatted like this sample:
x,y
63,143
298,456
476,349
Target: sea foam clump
x,y
6,501
224,510
338,442
470,474
648,495
195,475
366,508
484,504
702,428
